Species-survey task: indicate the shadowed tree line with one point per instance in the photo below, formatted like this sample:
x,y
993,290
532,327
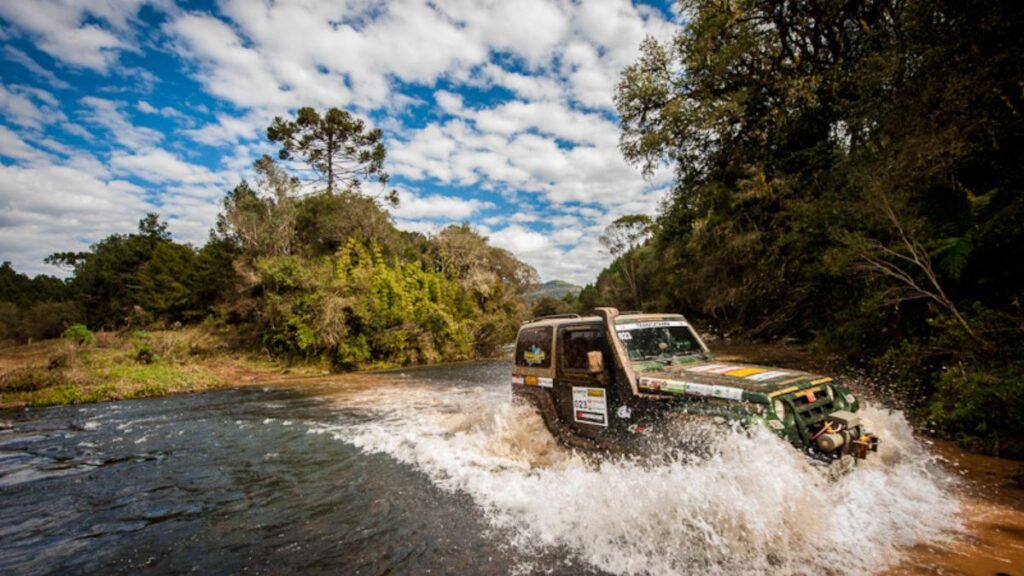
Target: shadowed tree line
x,y
849,173
302,262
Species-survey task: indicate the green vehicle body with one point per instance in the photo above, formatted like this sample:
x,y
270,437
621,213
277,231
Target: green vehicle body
x,y
601,381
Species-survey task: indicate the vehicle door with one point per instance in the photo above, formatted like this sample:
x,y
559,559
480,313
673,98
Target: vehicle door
x,y
583,397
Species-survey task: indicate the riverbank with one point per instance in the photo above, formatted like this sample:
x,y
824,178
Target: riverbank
x,y
126,365
142,364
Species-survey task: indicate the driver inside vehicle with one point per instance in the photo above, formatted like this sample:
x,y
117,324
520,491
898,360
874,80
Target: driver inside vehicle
x,y
659,343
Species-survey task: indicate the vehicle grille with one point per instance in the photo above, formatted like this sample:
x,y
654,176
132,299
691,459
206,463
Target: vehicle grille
x,y
811,414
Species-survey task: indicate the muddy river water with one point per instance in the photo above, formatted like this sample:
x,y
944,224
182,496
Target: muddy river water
x,y
434,470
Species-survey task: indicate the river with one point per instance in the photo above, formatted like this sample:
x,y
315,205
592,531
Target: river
x,y
434,470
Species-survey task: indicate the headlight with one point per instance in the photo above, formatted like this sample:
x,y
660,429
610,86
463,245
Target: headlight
x,y
780,409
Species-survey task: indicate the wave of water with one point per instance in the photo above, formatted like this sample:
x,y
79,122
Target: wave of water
x,y
749,505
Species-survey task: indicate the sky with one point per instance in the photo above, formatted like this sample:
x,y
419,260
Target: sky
x,y
497,113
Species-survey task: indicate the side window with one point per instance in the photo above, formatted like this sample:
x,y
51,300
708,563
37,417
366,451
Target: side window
x,y
577,343
533,349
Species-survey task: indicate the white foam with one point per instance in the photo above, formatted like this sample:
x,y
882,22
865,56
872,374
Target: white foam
x,y
751,505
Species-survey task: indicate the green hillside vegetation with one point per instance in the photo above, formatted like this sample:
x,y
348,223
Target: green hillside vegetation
x,y
847,173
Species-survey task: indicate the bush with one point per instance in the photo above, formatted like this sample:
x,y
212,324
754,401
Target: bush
x,y
79,334
982,409
29,380
144,354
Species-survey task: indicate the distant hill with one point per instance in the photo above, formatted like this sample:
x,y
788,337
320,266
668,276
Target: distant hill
x,y
554,288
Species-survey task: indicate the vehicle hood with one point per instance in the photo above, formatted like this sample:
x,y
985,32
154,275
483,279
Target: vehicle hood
x,y
729,380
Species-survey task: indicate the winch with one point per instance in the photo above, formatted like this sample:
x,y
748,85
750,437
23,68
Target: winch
x,y
843,429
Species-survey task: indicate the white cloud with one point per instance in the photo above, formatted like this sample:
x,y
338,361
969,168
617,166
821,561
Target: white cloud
x,y
232,129
190,217
14,55
12,146
86,33
110,115
46,209
521,240
159,166
165,111
19,109
426,227
437,207
544,137
228,68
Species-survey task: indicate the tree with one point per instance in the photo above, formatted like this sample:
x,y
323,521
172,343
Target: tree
x,y
129,276
340,149
325,222
548,305
845,171
622,238
261,220
494,278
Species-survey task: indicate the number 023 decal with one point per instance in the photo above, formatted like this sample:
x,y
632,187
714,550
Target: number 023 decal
x,y
590,406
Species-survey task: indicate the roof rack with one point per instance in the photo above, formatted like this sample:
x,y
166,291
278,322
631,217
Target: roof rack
x,y
630,312
553,317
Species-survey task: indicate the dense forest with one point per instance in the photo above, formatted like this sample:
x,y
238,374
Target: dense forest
x,y
310,268
849,173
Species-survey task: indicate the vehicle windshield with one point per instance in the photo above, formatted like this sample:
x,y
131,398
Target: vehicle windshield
x,y
662,340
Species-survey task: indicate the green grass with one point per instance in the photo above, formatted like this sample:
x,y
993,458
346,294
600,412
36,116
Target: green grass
x,y
111,369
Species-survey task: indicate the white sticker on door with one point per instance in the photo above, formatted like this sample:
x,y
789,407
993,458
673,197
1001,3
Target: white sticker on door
x,y
590,406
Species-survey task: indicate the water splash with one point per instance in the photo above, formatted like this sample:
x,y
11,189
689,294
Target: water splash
x,y
748,505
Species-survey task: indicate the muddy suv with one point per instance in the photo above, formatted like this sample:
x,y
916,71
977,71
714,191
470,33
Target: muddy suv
x,y
600,380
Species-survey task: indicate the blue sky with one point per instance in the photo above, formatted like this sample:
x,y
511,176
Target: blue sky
x,y
497,113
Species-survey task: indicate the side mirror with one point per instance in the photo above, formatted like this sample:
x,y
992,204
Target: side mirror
x,y
595,362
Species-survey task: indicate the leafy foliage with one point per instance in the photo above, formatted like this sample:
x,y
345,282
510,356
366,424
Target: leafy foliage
x,y
80,334
34,308
844,171
323,276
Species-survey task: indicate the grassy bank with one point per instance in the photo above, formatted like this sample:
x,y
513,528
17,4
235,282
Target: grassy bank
x,y
124,365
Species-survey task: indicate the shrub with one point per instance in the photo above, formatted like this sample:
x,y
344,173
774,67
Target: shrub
x,y
29,380
144,354
982,409
79,334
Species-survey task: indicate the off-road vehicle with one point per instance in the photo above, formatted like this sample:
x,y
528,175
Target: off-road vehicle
x,y
602,380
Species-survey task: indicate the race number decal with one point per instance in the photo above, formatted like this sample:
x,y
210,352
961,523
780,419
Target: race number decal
x,y
590,406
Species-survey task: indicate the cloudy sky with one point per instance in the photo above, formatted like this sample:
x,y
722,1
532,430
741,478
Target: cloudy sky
x,y
498,113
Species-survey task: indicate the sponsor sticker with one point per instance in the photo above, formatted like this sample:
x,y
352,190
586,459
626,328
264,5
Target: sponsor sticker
x,y
676,387
590,405
770,375
518,380
625,336
651,384
713,368
534,381
534,356
642,325
744,372
639,429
